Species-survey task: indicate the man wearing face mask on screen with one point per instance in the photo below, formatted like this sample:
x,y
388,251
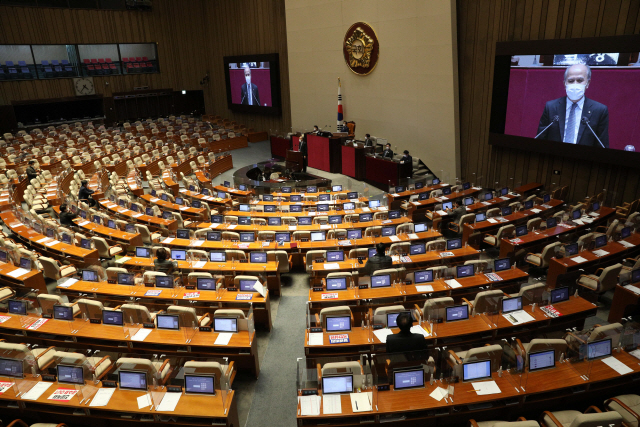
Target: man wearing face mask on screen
x,y
249,94
568,118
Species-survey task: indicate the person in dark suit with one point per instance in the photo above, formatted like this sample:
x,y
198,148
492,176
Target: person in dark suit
x,y
379,261
66,217
31,171
368,142
407,160
303,150
252,97
84,194
405,340
567,114
387,153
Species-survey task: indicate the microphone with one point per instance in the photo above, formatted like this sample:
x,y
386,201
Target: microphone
x,y
555,119
243,97
585,120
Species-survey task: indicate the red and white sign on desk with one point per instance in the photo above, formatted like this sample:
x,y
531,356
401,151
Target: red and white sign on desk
x,y
332,295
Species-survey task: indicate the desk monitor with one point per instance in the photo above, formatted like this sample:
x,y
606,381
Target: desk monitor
x,y
122,203
200,384
286,189
466,185
576,214
17,306
226,184
97,219
337,384
446,191
164,197
595,206
225,324
551,222
337,323
457,312
82,213
126,279
454,243
354,234
323,207
244,220
89,276
601,241
206,283
467,201
417,249
192,188
399,189
423,196
304,220
62,312
504,191
168,321
318,236
153,193
3,256
335,219
132,380
419,185
258,257
296,198
214,236
528,204
511,304
66,238
247,237
598,349
283,237
148,211
381,281
130,228
559,295
371,252
50,232
419,227
222,195
374,204
506,210
424,276
349,206
244,208
352,195
267,198
337,284
111,224
247,285
521,230
324,197
178,254
166,215
336,188
295,208
365,217
143,252
501,264
488,196
85,243
542,360
473,371
217,219
112,317
389,231
546,198
179,201
182,233
570,250
37,227
275,221
312,189
333,256
392,318
11,368
218,256
447,205
242,187
435,181
464,271
196,204
269,208
69,374
625,232
635,275
164,281
394,214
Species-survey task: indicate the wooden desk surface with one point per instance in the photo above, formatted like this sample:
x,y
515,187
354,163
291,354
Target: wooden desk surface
x,y
261,214
314,203
233,191
173,206
424,204
229,266
32,279
408,193
313,227
130,239
486,205
206,199
170,224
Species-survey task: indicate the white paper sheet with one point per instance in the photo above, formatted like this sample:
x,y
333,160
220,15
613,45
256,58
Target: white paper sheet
x,y
394,238
441,213
331,404
44,239
600,252
67,283
52,243
626,244
123,260
492,221
316,338
486,387
260,288
141,334
184,208
102,397
310,405
17,272
137,215
424,288
232,226
382,334
578,259
413,236
535,210
169,402
617,365
331,266
633,289
83,223
439,393
361,402
36,391
143,401
199,264
168,240
453,283
518,317
635,353
223,338
417,329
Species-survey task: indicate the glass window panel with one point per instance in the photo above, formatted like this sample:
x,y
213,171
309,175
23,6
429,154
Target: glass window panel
x,y
53,61
99,59
139,58
16,62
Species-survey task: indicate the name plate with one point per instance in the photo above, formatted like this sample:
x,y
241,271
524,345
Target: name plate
x,y
318,289
244,296
98,321
338,339
363,286
204,328
149,325
333,295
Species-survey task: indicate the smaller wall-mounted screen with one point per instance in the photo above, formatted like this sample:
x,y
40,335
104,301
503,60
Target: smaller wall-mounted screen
x,y
253,83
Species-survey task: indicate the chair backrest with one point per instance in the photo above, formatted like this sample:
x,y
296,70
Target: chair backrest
x,y
380,314
487,301
609,277
539,344
547,253
341,309
312,255
598,419
136,312
602,331
90,308
47,301
434,308
51,269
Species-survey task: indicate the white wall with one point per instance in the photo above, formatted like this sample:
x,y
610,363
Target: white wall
x,y
411,98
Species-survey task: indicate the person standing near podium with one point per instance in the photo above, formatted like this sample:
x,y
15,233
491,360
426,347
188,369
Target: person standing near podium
x,y
303,151
407,160
387,153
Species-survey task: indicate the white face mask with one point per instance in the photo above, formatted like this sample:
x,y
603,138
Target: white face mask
x,y
575,91
248,79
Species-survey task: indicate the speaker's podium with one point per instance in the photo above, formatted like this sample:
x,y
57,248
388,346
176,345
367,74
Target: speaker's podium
x,y
325,153
294,160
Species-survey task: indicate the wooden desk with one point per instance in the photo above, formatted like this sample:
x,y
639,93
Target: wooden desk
x,y
188,211
625,303
122,409
154,222
385,172
324,153
219,166
529,188
354,162
210,200
242,347
134,185
234,191
417,210
127,239
257,136
396,198
167,178
314,227
567,270
279,146
32,279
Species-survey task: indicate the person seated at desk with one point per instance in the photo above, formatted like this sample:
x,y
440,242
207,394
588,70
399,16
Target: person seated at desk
x,y
368,142
387,153
161,263
84,194
66,217
315,129
405,340
343,127
453,215
31,171
379,261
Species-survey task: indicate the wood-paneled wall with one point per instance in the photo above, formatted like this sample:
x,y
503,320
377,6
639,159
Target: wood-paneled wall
x,y
192,38
483,23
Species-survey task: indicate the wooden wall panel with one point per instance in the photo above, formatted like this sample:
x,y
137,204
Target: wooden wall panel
x,y
192,38
480,26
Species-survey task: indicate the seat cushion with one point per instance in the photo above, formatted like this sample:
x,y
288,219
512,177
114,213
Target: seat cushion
x,y
589,281
46,358
630,400
535,259
115,250
490,240
101,367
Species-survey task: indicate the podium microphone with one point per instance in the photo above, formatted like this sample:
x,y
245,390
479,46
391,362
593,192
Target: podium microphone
x,y
555,119
243,97
585,120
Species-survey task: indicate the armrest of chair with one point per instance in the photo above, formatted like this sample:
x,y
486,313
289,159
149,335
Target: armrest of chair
x,y
553,418
18,423
519,344
626,408
473,423
597,280
455,356
466,301
206,316
105,358
521,419
532,262
165,379
319,374
592,408
601,227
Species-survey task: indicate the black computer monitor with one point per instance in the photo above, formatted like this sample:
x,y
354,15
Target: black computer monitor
x,y
335,219
63,312
447,205
143,252
130,228
625,232
392,318
226,184
3,256
267,198
446,191
164,197
456,312
97,219
225,324
322,207
312,189
595,206
17,306
454,243
247,237
423,276
196,204
66,238
283,237
419,185
371,252
324,197
126,279
388,231
89,276
521,230
295,198
423,196
551,222
635,275
598,349
528,204
192,188
544,359
464,271
501,264
479,370
269,208
504,191
546,198
506,210
571,249
352,195
214,236
222,195
82,213
199,384
466,186
334,256
244,220
576,214
337,284
275,221
395,214
337,384
148,211
179,254
205,283
11,368
113,317
349,206
50,232
559,295
85,243
164,281
295,208
337,323
286,190
365,217
168,321
166,215
243,208
205,191
304,220
247,285
354,234
111,224
511,304
420,227
399,189
380,281
179,201
132,380
435,181
601,241
258,257
70,374
242,187
217,219
122,203
417,249
467,201
218,256
182,233
488,196
336,188
318,236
